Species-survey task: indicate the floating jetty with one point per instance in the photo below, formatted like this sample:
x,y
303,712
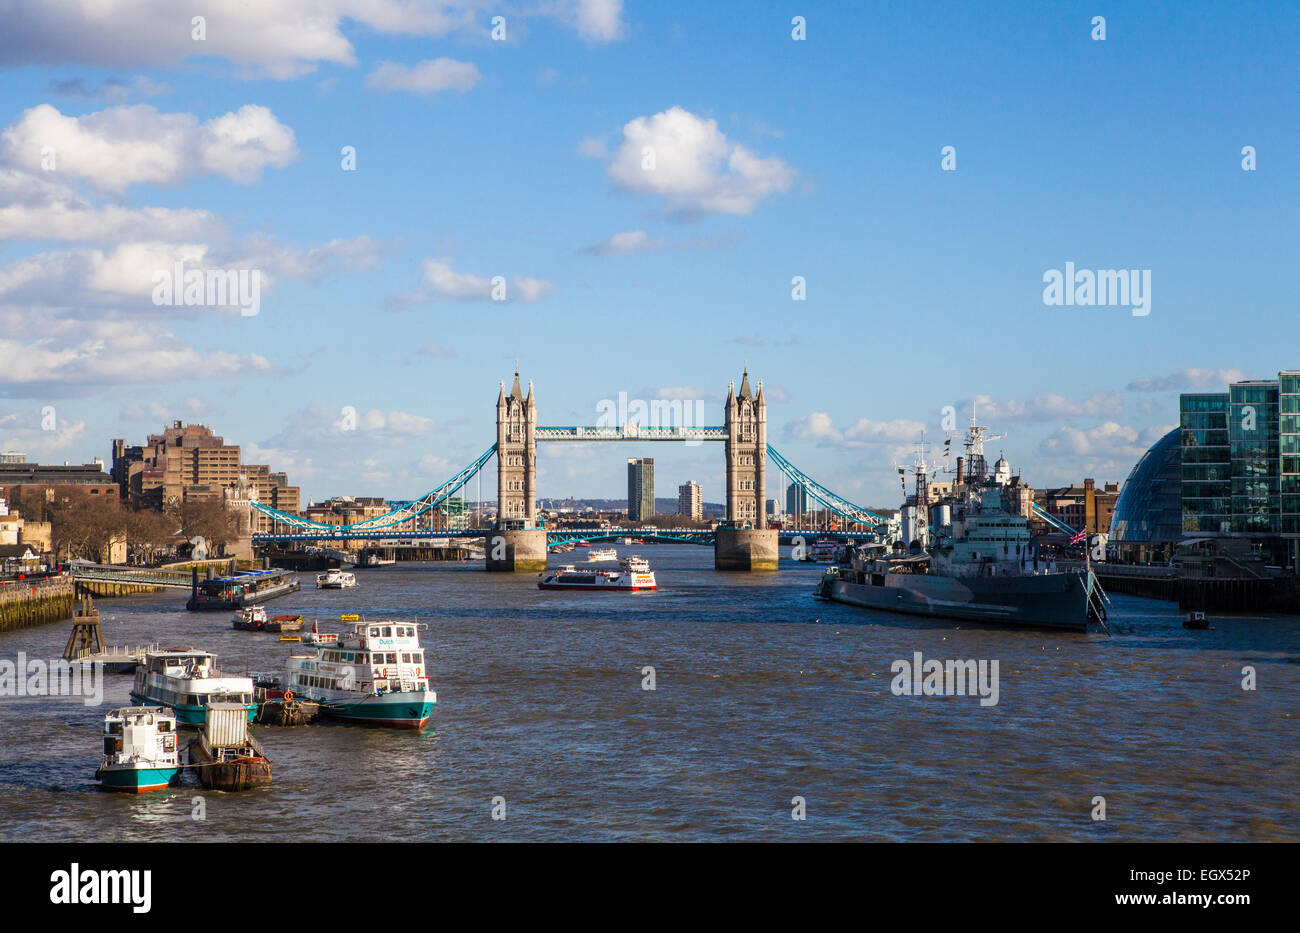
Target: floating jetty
x,y
276,707
225,754
86,644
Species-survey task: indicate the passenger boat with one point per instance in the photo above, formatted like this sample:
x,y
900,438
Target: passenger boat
x,y
624,579
187,680
335,580
374,675
252,619
225,754
238,590
583,544
602,554
822,551
140,751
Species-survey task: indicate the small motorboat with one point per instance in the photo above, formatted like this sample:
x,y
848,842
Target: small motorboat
x,y
1196,620
140,752
335,580
252,619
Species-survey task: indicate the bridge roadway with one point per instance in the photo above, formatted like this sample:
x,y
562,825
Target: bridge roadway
x,y
111,573
553,536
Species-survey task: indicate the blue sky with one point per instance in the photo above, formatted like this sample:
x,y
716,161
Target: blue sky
x,y
520,158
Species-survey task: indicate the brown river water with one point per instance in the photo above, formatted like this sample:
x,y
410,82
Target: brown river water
x,y
763,694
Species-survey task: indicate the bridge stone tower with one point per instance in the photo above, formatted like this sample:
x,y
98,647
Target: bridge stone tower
x,y
517,455
517,544
746,423
745,542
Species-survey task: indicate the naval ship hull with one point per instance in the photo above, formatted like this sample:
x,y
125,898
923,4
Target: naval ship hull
x,y
1047,601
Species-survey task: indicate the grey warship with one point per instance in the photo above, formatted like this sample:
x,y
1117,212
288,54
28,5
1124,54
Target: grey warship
x,y
974,560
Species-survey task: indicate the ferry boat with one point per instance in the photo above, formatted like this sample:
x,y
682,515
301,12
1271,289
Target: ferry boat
x,y
625,579
374,675
980,564
140,750
187,680
238,590
335,580
602,554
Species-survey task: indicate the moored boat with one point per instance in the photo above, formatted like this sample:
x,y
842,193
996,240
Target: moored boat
x,y
335,580
237,590
140,750
373,675
225,754
285,623
186,679
252,619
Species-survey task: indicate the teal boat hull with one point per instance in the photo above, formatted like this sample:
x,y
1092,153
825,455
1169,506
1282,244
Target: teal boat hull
x,y
136,780
390,710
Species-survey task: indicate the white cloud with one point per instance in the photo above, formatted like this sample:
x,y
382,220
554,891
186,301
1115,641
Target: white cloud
x,y
1187,380
25,431
819,427
427,77
283,39
1045,406
122,146
621,244
440,282
323,425
156,411
694,167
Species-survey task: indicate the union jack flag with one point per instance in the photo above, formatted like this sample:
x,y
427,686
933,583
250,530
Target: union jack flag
x,y
1079,536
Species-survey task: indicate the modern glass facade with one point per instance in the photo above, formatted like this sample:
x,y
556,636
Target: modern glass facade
x,y
1289,450
1206,464
1253,440
640,489
1147,521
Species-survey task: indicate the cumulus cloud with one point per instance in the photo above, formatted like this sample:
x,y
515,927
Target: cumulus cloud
x,y
427,77
690,163
440,282
326,425
191,407
638,241
1045,406
65,355
818,427
118,147
1188,380
283,39
28,431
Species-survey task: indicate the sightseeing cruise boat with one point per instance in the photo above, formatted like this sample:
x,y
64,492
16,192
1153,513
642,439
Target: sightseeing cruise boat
x,y
186,679
602,554
980,564
335,580
374,675
633,574
140,750
822,551
239,590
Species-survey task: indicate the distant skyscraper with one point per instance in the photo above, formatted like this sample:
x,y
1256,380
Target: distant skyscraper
x,y
796,500
690,500
640,489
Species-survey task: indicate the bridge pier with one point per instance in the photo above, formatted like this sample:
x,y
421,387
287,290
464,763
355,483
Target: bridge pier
x,y
520,550
745,549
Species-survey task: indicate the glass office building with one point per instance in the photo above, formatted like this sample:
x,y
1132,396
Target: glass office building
x,y
640,489
1253,442
1206,465
1289,451
1147,522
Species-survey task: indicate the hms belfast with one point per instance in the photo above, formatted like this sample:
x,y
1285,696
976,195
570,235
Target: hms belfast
x,y
972,558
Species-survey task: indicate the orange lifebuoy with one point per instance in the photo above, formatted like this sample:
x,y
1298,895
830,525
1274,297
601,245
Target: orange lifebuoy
x,y
288,695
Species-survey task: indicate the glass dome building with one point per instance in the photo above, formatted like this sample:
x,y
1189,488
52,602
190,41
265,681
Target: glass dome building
x,y
1148,518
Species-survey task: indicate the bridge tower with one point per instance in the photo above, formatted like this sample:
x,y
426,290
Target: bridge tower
x,y
517,455
746,423
517,544
745,542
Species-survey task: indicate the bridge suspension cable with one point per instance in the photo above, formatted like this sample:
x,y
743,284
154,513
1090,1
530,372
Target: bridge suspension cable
x,y
399,515
816,491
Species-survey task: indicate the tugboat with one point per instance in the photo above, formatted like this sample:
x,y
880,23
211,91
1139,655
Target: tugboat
x,y
374,675
335,580
633,574
186,679
225,754
140,751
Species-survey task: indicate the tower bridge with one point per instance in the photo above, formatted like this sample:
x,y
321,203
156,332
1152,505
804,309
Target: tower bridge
x,y
518,542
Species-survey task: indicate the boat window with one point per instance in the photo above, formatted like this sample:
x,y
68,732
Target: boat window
x,y
374,631
388,632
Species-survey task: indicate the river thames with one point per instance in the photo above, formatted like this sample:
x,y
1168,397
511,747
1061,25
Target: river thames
x,y
762,694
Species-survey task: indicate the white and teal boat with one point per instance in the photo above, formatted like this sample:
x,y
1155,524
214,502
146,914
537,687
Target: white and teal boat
x,y
140,750
373,675
187,680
